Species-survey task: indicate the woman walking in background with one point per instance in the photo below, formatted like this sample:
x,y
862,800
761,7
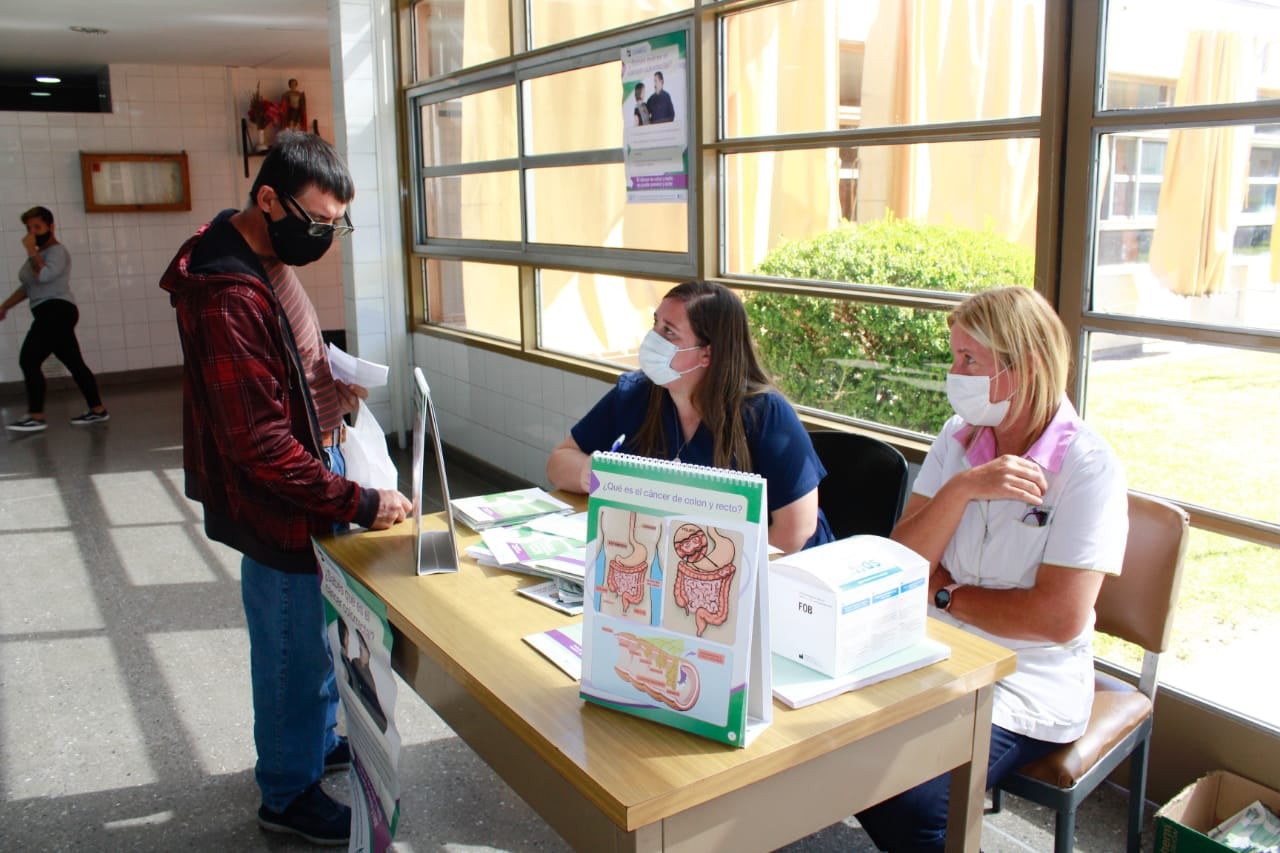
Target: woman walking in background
x,y
45,279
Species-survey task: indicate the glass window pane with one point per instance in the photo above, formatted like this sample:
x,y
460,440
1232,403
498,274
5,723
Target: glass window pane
x,y
1152,157
553,21
786,214
485,206
1264,162
587,206
594,92
1206,51
875,362
596,316
454,34
1124,246
1172,412
1122,198
1125,162
481,298
786,70
471,129
1261,198
1197,266
1228,607
1148,199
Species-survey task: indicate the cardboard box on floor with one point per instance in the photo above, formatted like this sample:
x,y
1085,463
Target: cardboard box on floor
x,y
1183,824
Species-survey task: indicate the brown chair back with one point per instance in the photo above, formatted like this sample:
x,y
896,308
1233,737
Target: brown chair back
x,y
1138,604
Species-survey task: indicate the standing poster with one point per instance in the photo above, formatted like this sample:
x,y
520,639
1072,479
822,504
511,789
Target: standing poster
x,y
655,119
360,636
675,618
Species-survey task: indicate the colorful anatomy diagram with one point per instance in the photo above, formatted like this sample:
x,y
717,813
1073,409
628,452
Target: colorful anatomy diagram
x,y
631,567
705,567
666,677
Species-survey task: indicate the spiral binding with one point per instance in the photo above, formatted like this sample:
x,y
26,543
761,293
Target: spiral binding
x,y
706,472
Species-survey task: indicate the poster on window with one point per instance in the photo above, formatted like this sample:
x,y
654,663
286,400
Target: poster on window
x,y
655,119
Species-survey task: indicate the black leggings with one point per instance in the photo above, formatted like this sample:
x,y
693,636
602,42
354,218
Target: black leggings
x,y
54,333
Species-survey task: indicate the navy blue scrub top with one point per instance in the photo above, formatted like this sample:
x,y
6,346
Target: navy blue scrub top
x,y
781,451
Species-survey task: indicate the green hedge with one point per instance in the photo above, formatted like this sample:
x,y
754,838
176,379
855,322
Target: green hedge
x,y
880,363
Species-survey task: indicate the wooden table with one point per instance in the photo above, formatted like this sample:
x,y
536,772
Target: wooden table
x,y
608,781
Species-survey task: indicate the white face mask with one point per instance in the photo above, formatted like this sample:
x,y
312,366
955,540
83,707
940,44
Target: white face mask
x,y
656,354
970,396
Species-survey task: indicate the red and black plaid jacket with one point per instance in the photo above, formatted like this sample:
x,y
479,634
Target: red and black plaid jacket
x,y
251,448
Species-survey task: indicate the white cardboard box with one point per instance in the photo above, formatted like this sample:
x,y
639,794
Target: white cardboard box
x,y
842,605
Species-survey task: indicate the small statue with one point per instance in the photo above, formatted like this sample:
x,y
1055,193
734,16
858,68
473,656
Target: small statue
x,y
294,102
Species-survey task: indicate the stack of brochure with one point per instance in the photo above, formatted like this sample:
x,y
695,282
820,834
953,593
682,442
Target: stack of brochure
x,y
504,508
551,546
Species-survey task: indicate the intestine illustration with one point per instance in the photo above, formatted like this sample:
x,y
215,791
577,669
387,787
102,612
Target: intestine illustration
x,y
666,677
704,573
630,551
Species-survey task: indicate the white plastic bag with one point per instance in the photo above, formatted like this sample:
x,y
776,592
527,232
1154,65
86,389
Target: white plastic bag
x,y
365,451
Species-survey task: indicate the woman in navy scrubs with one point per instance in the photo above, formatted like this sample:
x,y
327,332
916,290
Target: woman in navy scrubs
x,y
701,397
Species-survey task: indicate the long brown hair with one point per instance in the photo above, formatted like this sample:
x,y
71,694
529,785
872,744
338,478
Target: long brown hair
x,y
734,374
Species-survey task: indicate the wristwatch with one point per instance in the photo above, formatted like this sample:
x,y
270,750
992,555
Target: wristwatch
x,y
942,598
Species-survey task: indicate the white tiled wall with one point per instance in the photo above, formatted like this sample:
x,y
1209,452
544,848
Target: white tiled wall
x,y
360,35
503,410
117,258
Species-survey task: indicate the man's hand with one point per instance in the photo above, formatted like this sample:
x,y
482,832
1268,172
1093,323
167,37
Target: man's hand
x,y
29,242
393,508
349,396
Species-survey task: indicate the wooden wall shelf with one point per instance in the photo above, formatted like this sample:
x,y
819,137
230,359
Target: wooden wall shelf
x,y
249,148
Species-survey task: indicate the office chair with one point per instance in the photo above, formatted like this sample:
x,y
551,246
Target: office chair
x,y
1137,605
866,483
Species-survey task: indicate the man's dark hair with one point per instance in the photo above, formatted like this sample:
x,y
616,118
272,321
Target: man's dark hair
x,y
657,75
297,160
42,213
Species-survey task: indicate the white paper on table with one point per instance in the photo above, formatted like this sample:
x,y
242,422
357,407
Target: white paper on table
x,y
570,526
353,370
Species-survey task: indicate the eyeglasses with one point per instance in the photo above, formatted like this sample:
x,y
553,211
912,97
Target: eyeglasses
x,y
320,229
1036,517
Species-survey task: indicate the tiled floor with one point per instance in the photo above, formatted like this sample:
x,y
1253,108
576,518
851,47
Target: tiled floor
x,y
124,696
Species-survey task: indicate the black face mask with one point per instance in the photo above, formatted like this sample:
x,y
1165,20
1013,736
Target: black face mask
x,y
291,242
42,240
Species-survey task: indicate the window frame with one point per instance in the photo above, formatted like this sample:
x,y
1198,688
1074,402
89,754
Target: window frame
x,y
1068,129
516,72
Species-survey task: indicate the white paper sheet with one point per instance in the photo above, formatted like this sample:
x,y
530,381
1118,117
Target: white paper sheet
x,y
353,370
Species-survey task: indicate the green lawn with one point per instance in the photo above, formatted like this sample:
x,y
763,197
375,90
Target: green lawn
x,y
1195,425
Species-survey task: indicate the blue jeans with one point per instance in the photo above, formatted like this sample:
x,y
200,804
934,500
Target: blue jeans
x,y
295,692
915,821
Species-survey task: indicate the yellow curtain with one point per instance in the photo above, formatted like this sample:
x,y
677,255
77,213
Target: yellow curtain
x,y
931,61
1204,171
772,87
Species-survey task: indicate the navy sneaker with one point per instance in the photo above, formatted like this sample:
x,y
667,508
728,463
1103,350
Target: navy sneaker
x,y
90,417
27,425
339,758
313,815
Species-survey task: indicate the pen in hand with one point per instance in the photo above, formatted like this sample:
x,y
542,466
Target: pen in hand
x,y
617,443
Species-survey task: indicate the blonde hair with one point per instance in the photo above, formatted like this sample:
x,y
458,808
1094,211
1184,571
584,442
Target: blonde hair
x,y
1026,336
